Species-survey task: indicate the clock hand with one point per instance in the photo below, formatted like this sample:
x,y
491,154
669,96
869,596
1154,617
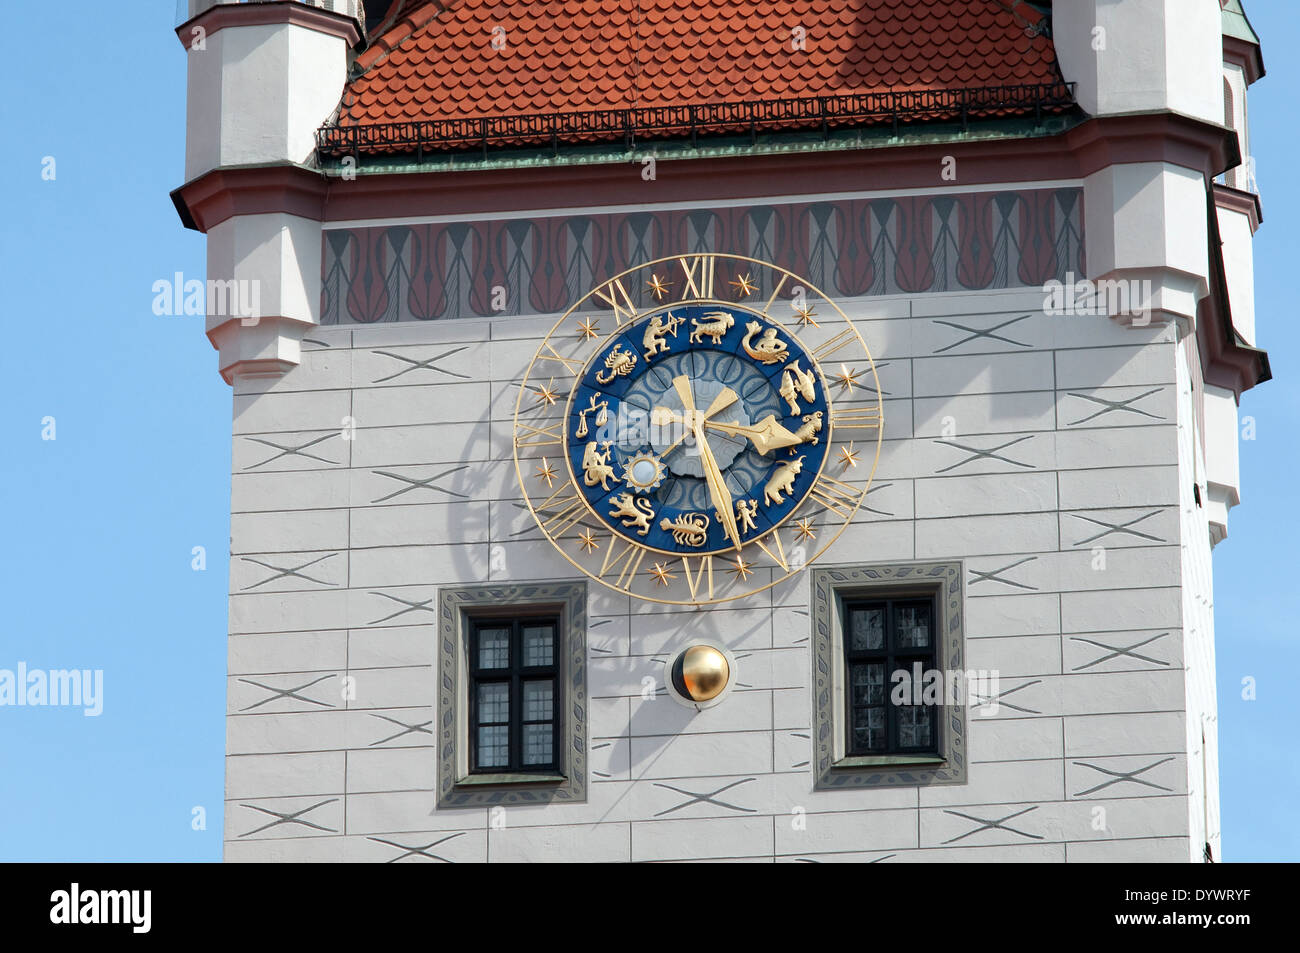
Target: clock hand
x,y
717,487
664,416
767,434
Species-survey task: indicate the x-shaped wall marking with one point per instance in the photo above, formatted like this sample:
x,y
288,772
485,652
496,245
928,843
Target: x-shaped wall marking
x,y
975,333
986,825
281,572
422,727
991,454
710,798
422,606
415,484
1118,528
296,451
1110,406
294,817
429,365
984,701
422,851
995,575
1115,651
1118,776
277,693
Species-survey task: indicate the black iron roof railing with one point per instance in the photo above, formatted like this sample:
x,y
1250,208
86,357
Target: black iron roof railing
x,y
542,130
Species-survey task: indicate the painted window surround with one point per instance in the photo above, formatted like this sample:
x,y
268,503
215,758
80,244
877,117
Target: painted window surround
x,y
457,788
833,769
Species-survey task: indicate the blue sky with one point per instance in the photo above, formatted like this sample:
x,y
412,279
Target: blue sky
x,y
103,519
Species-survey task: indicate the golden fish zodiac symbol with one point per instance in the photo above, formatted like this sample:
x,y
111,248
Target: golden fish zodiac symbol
x,y
795,379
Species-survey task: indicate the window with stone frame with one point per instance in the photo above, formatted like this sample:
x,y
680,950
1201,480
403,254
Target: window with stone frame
x,y
879,631
512,694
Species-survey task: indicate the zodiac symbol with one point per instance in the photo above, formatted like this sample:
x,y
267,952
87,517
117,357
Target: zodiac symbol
x,y
812,425
768,350
802,380
715,326
595,465
602,416
618,363
746,510
782,481
633,511
653,341
690,529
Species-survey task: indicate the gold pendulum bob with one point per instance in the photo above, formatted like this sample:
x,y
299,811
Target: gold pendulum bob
x,y
701,673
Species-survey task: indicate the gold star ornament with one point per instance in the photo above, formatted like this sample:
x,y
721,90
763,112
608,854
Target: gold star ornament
x,y
848,457
587,328
547,394
546,472
587,540
806,316
658,287
744,285
662,575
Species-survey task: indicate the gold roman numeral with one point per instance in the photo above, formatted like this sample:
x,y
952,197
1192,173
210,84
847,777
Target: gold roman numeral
x,y
775,291
526,435
693,579
616,296
867,418
838,497
703,288
627,561
837,343
562,509
548,353
778,556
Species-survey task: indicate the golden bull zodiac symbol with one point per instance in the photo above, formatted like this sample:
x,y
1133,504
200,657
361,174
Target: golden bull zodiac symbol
x,y
782,481
689,529
601,409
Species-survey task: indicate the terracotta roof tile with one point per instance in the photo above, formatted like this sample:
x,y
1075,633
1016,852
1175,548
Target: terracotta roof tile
x,y
437,59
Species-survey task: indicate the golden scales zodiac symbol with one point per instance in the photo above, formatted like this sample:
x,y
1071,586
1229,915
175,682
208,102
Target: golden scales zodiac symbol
x,y
601,410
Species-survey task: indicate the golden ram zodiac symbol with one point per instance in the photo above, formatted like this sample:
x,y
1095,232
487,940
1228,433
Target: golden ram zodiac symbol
x,y
715,325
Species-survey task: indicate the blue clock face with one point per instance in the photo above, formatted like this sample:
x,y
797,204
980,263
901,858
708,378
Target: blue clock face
x,y
697,429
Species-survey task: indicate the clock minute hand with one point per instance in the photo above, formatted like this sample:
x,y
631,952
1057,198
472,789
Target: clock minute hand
x,y
766,435
717,487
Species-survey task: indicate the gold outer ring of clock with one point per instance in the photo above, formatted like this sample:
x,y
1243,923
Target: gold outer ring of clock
x,y
569,329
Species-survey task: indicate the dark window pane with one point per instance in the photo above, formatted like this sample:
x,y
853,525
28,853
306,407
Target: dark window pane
x,y
539,645
914,727
493,702
538,700
868,684
494,746
866,629
538,744
912,626
493,648
868,729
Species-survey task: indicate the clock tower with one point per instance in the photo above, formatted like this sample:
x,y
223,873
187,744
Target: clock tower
x,y
722,432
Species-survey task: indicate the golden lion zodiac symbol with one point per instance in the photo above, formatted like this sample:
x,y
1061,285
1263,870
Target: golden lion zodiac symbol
x,y
630,510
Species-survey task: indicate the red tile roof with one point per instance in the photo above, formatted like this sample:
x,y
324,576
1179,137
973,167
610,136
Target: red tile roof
x,y
438,60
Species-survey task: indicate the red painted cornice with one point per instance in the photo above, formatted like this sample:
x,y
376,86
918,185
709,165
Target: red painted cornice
x,y
1238,52
261,14
1078,152
1237,200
